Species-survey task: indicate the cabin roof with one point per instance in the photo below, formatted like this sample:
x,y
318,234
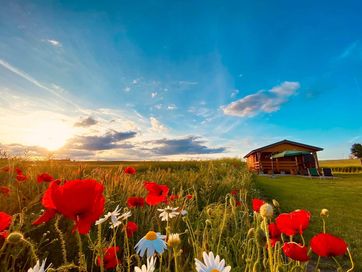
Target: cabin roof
x,y
310,147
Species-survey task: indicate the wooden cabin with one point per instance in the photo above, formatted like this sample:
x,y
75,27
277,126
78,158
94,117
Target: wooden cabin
x,y
284,157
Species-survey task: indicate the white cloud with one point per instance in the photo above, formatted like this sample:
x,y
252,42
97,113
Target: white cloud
x,y
54,43
171,107
127,89
262,101
157,126
234,93
154,94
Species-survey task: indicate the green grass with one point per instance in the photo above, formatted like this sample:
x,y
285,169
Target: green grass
x,y
340,163
341,196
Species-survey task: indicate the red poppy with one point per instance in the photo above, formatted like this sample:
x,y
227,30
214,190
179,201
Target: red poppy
x,y
296,251
326,245
18,171
156,193
21,177
4,234
257,203
45,177
110,260
294,222
234,192
79,200
5,221
274,233
131,228
133,202
130,170
5,190
174,197
189,196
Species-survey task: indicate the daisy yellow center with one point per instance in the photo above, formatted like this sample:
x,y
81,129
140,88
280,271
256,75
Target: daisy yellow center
x,y
151,235
215,270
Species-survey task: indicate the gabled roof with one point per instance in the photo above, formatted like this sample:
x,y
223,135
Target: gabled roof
x,y
313,148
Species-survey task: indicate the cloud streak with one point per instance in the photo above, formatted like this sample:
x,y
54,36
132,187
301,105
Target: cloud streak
x,y
264,101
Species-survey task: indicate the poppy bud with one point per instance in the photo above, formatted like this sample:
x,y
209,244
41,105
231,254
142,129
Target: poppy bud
x,y
266,210
324,213
14,237
275,203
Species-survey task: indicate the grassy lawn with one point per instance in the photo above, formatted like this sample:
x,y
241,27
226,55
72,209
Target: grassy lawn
x,y
341,196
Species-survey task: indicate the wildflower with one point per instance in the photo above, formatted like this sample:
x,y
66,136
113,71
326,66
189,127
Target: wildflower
x,y
39,268
257,203
184,212
113,215
324,213
211,264
21,177
173,240
327,245
79,200
294,222
130,170
18,171
5,190
45,177
266,210
189,196
173,197
234,192
274,234
151,263
5,221
168,213
296,251
133,202
156,193
152,242
131,228
110,259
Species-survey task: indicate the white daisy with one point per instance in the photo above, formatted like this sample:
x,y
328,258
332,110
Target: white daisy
x,y
152,242
116,219
113,215
39,268
168,213
151,266
212,264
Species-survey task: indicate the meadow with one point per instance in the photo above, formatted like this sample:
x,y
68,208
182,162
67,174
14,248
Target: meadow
x,y
341,196
95,216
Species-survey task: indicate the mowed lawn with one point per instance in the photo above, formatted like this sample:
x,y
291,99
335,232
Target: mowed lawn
x,y
342,196
340,163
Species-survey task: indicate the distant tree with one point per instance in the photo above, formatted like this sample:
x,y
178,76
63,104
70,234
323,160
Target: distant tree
x,y
356,151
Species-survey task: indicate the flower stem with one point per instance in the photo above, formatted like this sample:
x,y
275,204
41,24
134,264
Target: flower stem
x,y
270,250
350,258
61,239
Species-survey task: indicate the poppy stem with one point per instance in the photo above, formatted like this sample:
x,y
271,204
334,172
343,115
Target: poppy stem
x,y
335,260
270,251
324,225
316,267
350,258
82,263
99,233
61,239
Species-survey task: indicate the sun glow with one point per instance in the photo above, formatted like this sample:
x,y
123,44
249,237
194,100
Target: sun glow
x,y
50,134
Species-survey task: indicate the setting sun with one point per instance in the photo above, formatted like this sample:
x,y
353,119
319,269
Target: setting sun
x,y
50,134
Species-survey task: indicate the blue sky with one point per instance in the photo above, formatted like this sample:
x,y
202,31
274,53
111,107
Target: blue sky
x,y
179,79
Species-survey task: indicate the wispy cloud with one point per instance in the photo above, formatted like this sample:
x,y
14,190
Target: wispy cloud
x,y
157,126
54,43
37,83
262,101
349,50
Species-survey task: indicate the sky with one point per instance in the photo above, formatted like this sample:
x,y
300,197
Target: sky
x,y
178,80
